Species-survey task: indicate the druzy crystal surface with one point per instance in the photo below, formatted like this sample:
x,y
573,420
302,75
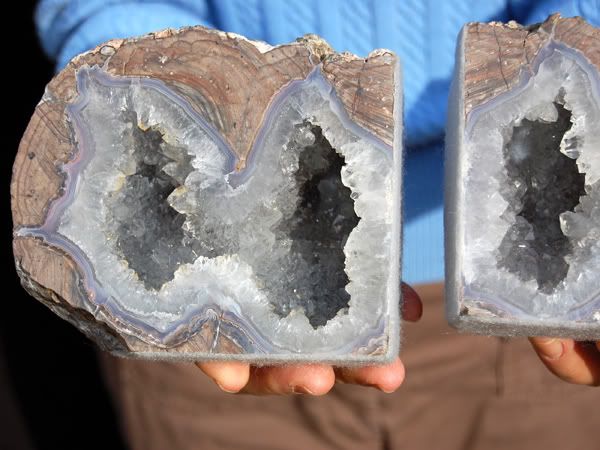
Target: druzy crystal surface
x,y
297,253
549,184
531,239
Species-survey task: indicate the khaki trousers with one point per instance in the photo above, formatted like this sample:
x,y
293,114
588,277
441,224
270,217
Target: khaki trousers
x,y
461,392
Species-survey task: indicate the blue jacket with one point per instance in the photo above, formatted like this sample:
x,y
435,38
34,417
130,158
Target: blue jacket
x,y
422,32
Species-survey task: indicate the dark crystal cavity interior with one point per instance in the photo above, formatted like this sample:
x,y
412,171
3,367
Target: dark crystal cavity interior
x,y
305,269
318,229
149,231
548,183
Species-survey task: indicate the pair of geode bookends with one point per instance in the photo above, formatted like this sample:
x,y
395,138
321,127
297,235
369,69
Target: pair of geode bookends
x,y
195,195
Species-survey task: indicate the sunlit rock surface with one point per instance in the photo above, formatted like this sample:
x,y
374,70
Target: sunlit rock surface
x,y
528,239
295,255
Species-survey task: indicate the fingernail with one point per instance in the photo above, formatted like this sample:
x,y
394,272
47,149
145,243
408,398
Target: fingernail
x,y
387,391
229,391
552,349
301,390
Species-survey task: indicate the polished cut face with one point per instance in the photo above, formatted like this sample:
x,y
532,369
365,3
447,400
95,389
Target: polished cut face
x,y
295,251
532,193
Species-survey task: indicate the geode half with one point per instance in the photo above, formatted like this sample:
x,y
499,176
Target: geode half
x,y
523,180
194,195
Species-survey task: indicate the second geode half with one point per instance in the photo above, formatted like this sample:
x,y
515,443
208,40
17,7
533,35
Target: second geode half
x,y
523,180
192,194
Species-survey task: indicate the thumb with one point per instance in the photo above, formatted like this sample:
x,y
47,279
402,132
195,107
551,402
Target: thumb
x,y
574,362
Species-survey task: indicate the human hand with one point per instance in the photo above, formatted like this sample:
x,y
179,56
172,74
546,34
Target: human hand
x,y
314,379
571,361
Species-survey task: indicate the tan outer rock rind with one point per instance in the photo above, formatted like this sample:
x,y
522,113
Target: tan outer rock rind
x,y
363,88
230,81
513,47
57,285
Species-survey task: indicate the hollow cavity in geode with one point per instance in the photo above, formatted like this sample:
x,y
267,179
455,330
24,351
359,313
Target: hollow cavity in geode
x,y
293,254
318,230
548,184
151,239
148,230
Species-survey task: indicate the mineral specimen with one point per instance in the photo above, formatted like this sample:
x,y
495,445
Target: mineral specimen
x,y
195,195
523,180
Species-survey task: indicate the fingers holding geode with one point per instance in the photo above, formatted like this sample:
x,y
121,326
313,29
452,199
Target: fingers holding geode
x,y
589,354
312,379
412,306
574,362
231,377
386,378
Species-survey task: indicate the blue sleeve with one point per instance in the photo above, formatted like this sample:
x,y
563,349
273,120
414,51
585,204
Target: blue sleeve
x,y
528,12
69,27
